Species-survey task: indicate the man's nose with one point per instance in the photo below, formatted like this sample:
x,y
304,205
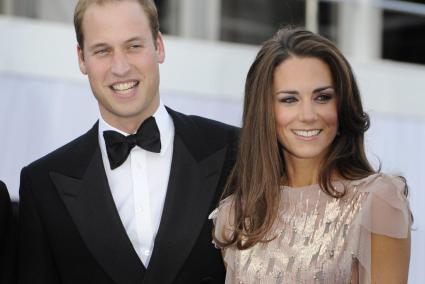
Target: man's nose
x,y
120,65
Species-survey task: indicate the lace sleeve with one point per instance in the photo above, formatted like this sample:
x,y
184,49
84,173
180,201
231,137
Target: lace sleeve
x,y
223,219
385,212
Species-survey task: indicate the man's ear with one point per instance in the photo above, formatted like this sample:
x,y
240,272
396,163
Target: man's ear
x,y
81,61
160,50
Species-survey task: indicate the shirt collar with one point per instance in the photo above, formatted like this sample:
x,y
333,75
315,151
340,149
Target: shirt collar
x,y
165,126
163,120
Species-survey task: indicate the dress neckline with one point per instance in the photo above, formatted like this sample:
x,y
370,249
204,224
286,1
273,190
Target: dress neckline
x,y
338,184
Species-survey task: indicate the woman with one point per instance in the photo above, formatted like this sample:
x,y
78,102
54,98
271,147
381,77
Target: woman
x,y
303,203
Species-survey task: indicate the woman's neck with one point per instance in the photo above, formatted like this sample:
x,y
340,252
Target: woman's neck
x,y
302,172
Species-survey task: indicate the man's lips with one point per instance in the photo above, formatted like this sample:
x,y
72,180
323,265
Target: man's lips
x,y
124,86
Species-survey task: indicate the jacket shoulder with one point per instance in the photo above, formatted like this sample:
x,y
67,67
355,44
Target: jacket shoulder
x,y
212,127
206,126
204,136
71,155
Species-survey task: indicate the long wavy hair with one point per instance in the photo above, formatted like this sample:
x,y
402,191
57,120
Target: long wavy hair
x,y
259,170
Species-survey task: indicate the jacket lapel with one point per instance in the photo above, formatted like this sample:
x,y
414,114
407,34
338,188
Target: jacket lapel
x,y
91,206
191,190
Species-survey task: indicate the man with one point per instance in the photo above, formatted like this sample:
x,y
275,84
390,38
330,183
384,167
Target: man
x,y
128,201
7,237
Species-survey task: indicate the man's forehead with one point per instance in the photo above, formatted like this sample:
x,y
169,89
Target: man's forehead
x,y
104,23
113,4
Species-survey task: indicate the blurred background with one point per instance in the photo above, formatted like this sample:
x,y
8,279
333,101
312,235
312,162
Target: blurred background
x,y
210,44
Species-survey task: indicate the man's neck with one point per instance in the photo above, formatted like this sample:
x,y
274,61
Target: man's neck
x,y
128,125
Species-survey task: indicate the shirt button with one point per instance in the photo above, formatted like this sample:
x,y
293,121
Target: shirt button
x,y
146,252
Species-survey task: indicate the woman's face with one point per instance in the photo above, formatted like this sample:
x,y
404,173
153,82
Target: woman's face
x,y
305,108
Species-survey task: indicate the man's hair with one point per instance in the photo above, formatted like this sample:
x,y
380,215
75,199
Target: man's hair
x,y
82,5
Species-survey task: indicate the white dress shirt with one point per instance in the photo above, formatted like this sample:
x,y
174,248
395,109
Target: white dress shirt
x,y
139,185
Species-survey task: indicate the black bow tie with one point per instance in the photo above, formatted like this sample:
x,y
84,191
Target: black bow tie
x,y
119,146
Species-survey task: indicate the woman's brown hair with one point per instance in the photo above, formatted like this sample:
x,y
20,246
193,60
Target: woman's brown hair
x,y
259,171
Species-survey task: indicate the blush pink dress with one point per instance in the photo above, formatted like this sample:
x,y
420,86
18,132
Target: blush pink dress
x,y
317,238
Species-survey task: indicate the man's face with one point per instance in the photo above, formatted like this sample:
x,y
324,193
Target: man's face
x,y
121,59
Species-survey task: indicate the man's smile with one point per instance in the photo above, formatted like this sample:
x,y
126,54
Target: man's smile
x,y
124,87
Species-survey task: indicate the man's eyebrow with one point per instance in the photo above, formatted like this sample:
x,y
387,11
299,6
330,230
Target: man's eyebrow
x,y
104,44
135,39
97,45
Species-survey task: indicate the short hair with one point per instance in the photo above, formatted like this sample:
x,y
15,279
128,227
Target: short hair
x,y
148,6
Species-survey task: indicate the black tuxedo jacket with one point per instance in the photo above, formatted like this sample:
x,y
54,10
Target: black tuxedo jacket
x,y
70,230
7,237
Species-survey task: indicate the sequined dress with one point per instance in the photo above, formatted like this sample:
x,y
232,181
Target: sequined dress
x,y
320,239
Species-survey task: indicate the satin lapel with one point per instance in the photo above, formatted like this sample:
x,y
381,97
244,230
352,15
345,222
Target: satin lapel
x,y
93,211
189,197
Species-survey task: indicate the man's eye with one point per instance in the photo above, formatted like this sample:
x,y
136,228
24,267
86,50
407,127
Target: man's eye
x,y
101,52
135,46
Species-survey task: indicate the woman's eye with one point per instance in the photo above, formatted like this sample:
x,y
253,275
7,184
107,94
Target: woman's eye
x,y
288,100
323,98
